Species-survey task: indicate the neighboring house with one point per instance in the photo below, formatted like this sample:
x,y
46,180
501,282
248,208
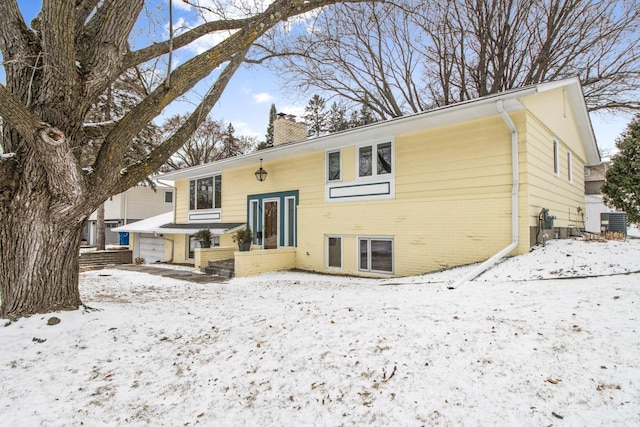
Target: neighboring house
x,y
402,197
136,203
594,179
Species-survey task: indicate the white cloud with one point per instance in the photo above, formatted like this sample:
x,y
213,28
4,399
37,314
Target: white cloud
x,y
181,5
262,97
244,128
296,110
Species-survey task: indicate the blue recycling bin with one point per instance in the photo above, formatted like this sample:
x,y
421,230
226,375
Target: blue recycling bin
x,y
124,238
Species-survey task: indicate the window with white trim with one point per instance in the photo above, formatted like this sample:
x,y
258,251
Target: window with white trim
x,y
375,254
376,159
205,193
334,166
334,251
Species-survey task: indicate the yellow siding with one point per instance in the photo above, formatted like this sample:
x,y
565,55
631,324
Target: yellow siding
x,y
180,248
452,206
348,163
544,188
256,262
204,255
551,109
182,201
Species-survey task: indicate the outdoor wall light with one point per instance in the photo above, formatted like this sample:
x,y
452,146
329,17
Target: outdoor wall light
x,y
261,174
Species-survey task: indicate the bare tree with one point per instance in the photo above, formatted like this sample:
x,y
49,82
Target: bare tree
x,y
203,146
426,54
55,71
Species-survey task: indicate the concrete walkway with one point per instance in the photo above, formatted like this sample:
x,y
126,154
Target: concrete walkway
x,y
174,274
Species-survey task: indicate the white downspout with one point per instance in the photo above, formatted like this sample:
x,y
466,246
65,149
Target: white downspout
x,y
515,183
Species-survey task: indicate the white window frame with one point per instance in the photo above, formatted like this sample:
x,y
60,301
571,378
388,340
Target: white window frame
x,y
213,200
328,176
334,236
570,166
556,156
368,268
374,159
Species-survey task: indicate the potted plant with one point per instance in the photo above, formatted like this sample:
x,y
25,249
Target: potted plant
x,y
204,237
243,237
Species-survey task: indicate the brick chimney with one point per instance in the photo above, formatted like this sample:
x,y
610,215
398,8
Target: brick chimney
x,y
286,129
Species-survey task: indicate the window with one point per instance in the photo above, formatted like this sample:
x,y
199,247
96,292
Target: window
x,y
218,191
380,164
556,157
202,192
253,221
334,252
168,196
569,167
193,243
364,156
290,221
384,158
375,254
333,166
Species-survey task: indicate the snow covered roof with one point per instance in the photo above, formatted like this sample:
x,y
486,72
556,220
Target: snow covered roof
x,y
163,224
149,225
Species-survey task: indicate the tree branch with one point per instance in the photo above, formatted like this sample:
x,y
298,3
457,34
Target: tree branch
x,y
17,116
185,77
160,154
58,54
15,36
158,49
103,43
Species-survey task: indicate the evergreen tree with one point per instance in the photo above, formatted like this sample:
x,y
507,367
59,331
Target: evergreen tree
x,y
337,117
315,116
622,187
231,146
272,118
367,115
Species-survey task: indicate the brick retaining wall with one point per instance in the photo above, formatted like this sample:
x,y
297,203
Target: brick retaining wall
x,y
99,258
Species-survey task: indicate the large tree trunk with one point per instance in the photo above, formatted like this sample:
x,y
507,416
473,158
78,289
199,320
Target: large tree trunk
x,y
100,228
38,264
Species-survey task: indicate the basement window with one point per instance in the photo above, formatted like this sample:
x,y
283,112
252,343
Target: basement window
x,y
334,251
375,254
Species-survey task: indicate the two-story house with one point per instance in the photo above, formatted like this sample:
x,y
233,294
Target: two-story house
x,y
130,206
451,186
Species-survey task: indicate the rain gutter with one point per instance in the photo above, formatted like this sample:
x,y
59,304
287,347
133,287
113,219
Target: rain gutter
x,y
515,183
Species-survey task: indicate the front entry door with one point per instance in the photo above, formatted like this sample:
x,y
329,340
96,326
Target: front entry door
x,y
271,225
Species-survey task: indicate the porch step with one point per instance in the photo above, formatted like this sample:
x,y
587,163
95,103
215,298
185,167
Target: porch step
x,y
222,268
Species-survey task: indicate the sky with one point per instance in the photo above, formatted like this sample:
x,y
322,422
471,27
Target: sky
x,y
546,338
250,93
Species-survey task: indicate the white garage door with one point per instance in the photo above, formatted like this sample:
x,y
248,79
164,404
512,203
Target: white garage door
x,y
151,248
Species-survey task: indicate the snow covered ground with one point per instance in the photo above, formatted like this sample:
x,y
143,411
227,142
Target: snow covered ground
x,y
527,343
